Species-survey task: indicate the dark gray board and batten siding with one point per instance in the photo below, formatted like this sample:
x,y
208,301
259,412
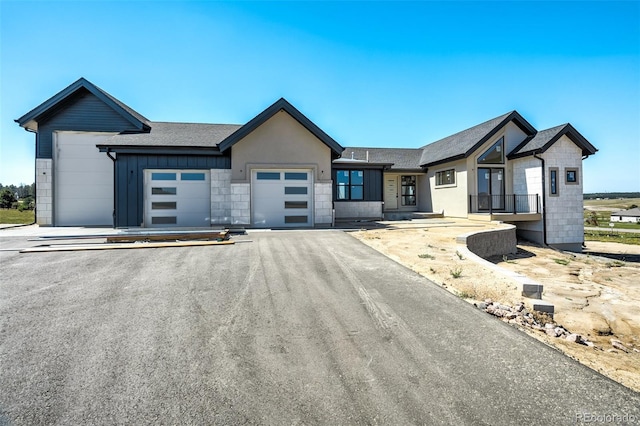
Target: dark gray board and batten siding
x,y
129,173
372,188
82,112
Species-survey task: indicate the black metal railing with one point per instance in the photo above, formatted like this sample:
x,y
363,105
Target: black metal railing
x,y
506,203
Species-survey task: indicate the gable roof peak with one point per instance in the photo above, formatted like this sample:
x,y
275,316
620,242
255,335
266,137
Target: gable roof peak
x,y
280,105
462,144
544,139
30,120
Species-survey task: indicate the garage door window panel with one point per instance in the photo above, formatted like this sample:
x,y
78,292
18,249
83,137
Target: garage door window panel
x,y
296,219
164,191
164,220
163,176
268,176
164,205
295,190
192,176
295,176
295,204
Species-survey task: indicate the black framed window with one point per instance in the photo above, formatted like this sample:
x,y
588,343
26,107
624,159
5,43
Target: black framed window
x,y
446,177
350,184
571,176
553,182
494,155
408,190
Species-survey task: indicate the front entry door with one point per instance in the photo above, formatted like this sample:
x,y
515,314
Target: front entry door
x,y
490,188
391,192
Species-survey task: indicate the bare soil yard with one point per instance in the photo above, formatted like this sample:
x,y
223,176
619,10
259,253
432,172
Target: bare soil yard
x,y
595,294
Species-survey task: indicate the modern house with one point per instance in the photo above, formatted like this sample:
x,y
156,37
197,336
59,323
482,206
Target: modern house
x,y
628,216
100,163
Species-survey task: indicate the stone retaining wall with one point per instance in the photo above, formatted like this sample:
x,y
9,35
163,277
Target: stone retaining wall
x,y
491,242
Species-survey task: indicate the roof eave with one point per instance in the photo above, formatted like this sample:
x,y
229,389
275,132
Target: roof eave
x,y
280,105
29,120
516,118
444,160
159,150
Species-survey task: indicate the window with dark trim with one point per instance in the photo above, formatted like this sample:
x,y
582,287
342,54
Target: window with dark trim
x,y
571,176
350,184
553,182
446,177
408,190
493,155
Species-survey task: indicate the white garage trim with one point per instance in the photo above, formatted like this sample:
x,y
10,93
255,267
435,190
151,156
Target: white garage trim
x,y
281,197
177,198
83,180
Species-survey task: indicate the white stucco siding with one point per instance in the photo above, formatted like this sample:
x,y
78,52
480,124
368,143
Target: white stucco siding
x,y
564,213
527,179
513,136
280,142
451,199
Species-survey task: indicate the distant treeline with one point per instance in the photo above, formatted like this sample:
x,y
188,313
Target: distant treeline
x,y
596,195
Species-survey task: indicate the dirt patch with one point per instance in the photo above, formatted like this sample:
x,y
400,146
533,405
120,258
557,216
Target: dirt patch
x,y
595,294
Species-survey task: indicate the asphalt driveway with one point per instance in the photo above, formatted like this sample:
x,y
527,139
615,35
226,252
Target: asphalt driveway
x,y
285,328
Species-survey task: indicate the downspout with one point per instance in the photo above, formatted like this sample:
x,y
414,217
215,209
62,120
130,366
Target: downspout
x,y
35,182
114,187
544,200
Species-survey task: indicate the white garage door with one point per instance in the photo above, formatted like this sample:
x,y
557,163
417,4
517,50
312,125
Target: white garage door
x,y
83,180
177,198
282,198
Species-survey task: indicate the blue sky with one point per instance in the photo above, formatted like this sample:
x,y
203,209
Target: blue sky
x,y
375,74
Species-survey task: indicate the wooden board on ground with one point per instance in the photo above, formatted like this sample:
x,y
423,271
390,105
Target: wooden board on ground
x,y
116,246
184,236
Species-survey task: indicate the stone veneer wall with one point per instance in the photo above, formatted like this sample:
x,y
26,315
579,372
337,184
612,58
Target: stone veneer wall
x,y
44,191
240,203
358,209
323,204
220,196
565,220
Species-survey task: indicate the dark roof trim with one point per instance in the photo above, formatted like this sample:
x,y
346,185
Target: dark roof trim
x,y
445,160
30,119
349,165
159,150
567,129
280,104
516,118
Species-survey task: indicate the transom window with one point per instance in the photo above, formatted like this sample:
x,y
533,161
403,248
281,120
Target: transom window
x,y
350,184
446,177
494,155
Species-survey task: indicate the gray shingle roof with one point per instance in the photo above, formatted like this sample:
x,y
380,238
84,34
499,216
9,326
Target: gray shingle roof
x,y
635,212
542,140
30,119
462,144
176,135
282,105
401,158
126,107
